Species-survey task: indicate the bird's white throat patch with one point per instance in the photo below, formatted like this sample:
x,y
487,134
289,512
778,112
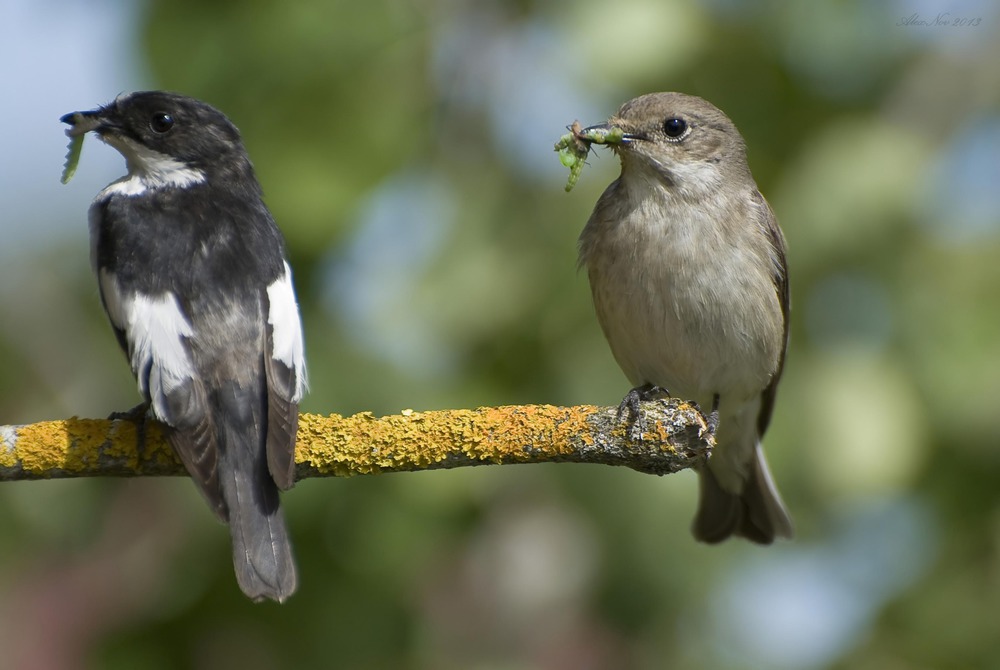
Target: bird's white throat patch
x,y
148,170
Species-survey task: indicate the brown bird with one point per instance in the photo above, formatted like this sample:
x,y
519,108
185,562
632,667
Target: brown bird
x,y
687,269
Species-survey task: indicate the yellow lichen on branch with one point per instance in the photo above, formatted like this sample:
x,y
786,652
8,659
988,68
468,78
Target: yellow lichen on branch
x,y
674,438
424,440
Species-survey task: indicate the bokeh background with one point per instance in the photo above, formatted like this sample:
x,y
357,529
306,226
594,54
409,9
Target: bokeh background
x,y
405,148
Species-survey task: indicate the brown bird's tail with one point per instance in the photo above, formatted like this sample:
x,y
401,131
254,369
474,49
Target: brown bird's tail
x,y
757,513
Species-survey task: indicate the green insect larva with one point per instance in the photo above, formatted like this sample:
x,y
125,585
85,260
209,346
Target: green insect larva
x,y
573,152
72,156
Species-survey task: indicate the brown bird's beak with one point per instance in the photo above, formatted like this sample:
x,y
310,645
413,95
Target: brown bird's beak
x,y
606,133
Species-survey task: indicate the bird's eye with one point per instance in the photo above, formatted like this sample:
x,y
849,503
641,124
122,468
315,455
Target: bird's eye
x,y
674,127
161,122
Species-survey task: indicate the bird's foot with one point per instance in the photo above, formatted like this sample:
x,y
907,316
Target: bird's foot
x,y
712,420
630,412
138,416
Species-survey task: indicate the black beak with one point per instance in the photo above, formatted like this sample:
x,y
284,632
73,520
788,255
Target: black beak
x,y
606,133
84,122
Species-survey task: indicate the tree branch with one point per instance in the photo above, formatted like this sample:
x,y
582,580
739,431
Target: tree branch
x,y
674,438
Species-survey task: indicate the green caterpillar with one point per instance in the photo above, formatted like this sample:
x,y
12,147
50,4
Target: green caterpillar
x,y
72,156
574,146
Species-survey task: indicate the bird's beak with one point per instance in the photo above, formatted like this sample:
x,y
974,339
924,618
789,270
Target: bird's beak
x,y
83,122
607,133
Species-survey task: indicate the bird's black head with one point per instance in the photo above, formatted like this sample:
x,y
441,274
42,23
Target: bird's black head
x,y
158,131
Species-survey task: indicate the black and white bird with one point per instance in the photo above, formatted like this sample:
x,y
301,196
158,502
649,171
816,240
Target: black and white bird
x,y
193,277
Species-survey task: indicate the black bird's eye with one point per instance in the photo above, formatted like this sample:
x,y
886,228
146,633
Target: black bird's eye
x,y
161,122
675,127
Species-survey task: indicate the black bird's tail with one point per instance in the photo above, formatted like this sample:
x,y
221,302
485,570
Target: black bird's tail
x,y
262,553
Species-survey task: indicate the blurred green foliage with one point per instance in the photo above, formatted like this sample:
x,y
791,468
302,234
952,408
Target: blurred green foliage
x,y
405,149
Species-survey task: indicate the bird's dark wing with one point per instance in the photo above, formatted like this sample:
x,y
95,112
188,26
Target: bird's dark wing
x,y
769,223
154,332
282,418
284,367
193,436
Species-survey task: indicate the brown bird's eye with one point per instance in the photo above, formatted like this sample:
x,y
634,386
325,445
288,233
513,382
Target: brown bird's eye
x,y
675,127
161,122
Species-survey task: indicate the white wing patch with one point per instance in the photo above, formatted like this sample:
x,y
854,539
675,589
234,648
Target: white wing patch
x,y
148,170
286,325
155,329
